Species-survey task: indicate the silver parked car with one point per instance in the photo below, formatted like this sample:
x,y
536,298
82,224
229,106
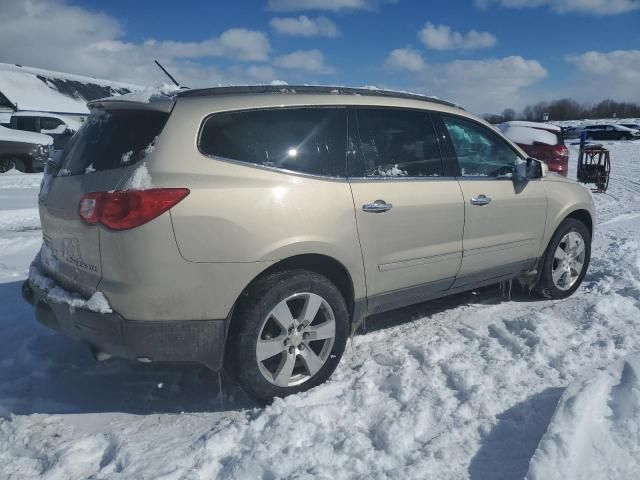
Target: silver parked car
x,y
255,227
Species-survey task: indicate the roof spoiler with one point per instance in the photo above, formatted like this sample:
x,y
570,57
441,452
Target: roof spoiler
x,y
160,99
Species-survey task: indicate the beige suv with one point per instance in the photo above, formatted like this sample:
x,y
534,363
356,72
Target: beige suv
x,y
255,227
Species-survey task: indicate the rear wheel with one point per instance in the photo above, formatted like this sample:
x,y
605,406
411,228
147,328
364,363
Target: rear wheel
x,y
566,260
287,335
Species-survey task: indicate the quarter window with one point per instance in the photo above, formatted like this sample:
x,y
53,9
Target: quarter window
x,y
398,143
480,152
303,140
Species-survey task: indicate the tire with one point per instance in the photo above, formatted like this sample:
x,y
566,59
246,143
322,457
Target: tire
x,y
260,352
555,282
7,164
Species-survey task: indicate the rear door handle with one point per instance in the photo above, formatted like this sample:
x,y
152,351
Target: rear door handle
x,y
481,199
378,206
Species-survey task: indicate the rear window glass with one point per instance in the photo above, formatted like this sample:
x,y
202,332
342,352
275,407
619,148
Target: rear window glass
x,y
303,140
112,139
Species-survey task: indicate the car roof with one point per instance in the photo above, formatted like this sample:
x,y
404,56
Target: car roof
x,y
311,89
538,125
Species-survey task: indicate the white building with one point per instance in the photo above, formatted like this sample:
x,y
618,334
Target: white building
x,y
26,89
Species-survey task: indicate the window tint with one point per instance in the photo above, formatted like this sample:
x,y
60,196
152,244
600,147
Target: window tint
x,y
112,139
480,152
307,140
398,143
26,123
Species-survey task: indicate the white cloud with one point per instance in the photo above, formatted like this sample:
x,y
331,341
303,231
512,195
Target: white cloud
x,y
594,7
480,85
304,60
330,5
486,85
77,40
405,59
235,43
608,74
441,37
304,26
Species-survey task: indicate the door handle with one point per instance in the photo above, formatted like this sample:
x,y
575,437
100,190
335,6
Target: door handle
x,y
378,206
481,199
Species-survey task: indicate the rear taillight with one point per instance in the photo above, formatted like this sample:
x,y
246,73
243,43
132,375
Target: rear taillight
x,y
561,151
125,209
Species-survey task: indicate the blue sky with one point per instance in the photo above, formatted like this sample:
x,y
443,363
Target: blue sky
x,y
484,54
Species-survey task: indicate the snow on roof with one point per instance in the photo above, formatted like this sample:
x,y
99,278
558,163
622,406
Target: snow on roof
x,y
522,123
50,91
147,95
11,135
528,135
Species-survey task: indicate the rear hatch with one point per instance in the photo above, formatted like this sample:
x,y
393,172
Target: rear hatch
x,y
100,157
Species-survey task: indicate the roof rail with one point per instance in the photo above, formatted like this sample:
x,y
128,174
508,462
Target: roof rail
x,y
313,89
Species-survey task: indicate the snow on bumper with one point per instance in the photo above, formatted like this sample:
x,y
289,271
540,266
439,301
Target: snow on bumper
x,y
55,293
94,322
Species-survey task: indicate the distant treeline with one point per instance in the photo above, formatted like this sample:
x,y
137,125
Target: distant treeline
x,y
568,109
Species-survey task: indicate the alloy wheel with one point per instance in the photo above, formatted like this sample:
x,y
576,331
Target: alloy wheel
x,y
295,339
568,261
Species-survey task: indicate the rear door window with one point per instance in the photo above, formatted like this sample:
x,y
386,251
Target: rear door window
x,y
398,143
112,139
306,140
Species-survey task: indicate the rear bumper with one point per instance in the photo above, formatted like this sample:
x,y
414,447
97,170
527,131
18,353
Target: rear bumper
x,y
194,341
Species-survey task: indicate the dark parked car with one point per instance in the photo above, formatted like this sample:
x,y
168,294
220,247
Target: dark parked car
x,y
24,151
540,140
610,132
59,127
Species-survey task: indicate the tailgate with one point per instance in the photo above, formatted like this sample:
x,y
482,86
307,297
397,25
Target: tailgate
x,y
100,157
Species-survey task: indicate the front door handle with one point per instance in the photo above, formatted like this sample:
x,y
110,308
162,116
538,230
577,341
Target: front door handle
x,y
481,199
378,206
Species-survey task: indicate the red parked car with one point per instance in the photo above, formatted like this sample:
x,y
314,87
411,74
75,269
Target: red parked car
x,y
540,140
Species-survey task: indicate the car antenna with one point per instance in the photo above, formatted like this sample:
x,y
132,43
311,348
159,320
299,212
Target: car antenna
x,y
167,73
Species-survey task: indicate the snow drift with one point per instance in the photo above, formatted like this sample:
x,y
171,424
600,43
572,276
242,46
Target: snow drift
x,y
595,431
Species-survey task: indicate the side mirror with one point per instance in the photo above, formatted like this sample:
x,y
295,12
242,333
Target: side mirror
x,y
530,169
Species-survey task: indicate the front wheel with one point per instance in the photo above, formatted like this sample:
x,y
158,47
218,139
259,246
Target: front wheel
x,y
288,334
7,164
566,260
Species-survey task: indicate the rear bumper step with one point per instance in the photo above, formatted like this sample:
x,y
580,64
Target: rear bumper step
x,y
194,341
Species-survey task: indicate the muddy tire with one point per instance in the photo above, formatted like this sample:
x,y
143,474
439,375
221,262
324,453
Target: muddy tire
x,y
566,260
287,334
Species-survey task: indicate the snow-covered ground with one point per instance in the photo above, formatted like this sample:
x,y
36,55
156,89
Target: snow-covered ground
x,y
463,387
